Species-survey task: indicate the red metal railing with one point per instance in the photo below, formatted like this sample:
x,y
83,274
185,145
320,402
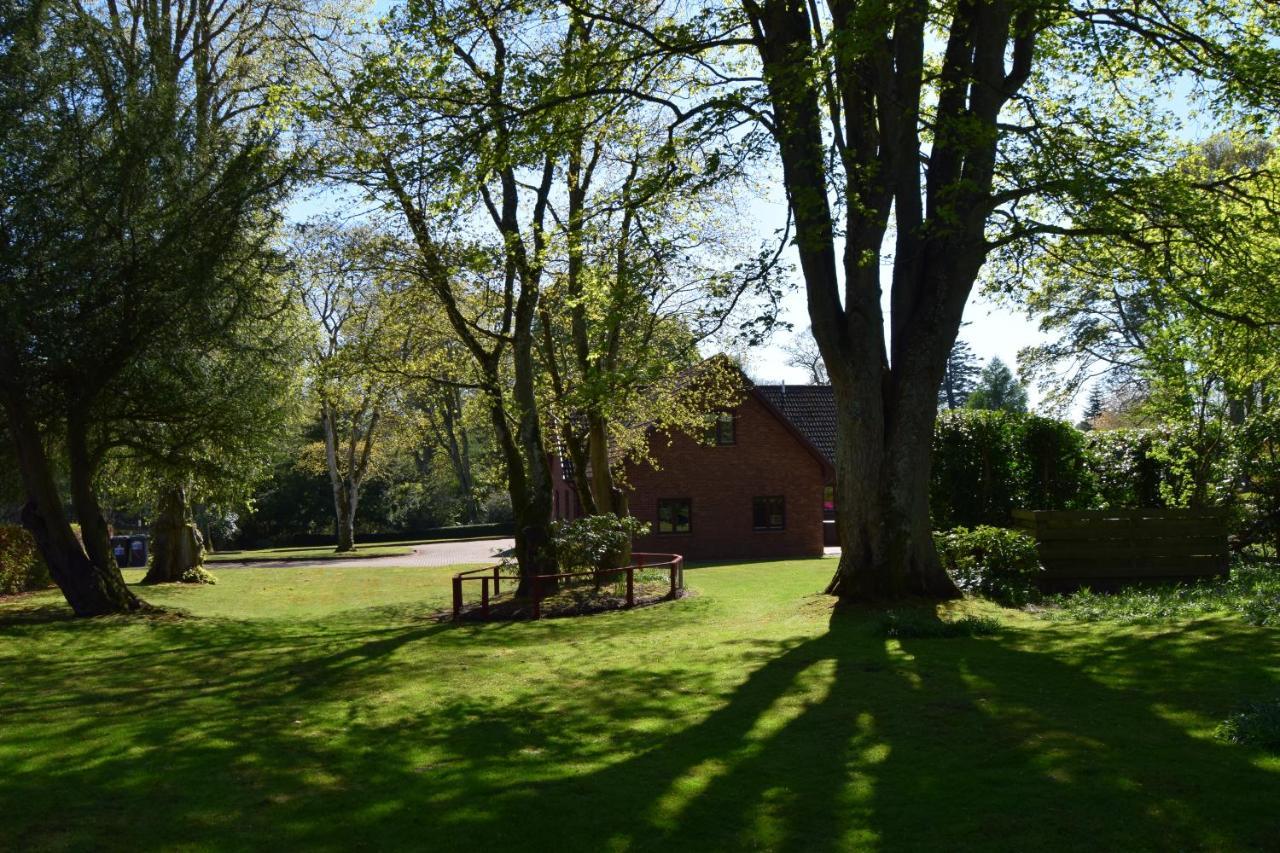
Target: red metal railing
x,y
673,563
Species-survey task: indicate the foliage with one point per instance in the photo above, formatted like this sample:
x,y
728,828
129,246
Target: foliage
x,y
986,464
21,566
1256,724
997,389
991,562
1252,591
595,541
198,575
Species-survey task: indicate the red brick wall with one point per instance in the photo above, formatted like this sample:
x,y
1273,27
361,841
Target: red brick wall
x,y
767,459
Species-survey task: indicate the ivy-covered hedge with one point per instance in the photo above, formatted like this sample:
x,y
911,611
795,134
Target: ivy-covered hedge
x,y
21,567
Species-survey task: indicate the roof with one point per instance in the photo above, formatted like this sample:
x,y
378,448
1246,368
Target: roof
x,y
811,409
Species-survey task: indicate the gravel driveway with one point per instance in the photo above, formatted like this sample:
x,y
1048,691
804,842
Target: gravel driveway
x,y
431,554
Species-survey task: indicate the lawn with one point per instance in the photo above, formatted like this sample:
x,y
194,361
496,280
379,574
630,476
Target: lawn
x,y
307,553
325,709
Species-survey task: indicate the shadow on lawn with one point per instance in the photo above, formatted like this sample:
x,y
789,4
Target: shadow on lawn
x,y
839,741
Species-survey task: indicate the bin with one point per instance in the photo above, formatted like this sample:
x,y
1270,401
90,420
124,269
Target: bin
x,y
137,550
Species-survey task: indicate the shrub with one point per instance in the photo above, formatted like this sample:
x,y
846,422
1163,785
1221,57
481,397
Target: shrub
x,y
1256,724
594,541
991,562
21,567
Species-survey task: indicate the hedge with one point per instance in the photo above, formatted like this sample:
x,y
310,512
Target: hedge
x,y
21,567
986,464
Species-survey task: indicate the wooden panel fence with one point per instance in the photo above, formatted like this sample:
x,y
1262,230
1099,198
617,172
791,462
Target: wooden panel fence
x,y
1103,548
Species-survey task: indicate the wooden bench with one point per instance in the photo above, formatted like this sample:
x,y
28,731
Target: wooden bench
x,y
1108,548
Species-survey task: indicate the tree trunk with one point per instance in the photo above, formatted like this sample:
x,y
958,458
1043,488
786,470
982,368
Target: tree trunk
x,y
346,489
94,532
177,548
91,589
459,447
579,459
345,506
602,488
882,509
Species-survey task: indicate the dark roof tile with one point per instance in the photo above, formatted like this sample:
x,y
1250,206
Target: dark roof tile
x,y
811,409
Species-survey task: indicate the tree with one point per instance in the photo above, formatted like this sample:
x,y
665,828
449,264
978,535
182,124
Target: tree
x,y
137,184
958,377
1094,408
1028,114
997,389
341,277
802,352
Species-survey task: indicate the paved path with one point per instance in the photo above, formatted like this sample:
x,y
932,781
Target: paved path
x,y
431,554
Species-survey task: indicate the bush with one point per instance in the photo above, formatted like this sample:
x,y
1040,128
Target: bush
x,y
991,562
1256,724
21,567
594,541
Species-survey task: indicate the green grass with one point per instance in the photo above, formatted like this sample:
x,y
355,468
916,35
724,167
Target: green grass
x,y
1251,591
308,552
325,709
326,553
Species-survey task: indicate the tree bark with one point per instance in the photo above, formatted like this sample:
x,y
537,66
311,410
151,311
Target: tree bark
x,y
91,589
177,548
94,532
346,485
886,406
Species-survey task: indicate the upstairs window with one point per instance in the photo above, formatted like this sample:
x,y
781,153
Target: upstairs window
x,y
675,515
769,513
722,430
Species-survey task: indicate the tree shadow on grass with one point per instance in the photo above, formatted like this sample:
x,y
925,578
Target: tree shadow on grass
x,y
245,736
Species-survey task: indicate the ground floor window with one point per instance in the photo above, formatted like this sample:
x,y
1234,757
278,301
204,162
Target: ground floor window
x,y
769,513
675,515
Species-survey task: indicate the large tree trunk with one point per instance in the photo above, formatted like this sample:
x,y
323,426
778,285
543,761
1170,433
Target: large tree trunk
x,y
177,548
882,507
91,589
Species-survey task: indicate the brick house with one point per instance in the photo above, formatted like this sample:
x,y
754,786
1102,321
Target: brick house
x,y
757,485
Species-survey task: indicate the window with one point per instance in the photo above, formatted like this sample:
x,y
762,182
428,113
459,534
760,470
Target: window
x,y
722,429
769,513
675,515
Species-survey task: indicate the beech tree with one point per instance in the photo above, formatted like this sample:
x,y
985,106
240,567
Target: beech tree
x,y
936,134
